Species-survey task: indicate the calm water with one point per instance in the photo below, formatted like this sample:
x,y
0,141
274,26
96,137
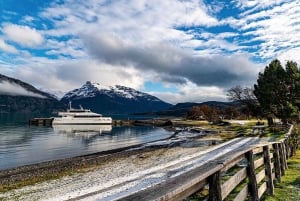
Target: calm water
x,y
21,144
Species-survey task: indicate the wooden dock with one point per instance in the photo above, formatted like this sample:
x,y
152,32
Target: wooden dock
x,y
41,121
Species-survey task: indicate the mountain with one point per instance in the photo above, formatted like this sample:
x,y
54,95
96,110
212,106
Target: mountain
x,y
17,96
114,99
181,109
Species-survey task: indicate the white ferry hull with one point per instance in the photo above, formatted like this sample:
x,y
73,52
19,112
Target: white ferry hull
x,y
82,129
81,121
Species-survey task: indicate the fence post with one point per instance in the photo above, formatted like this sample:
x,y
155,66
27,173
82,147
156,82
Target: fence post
x,y
291,142
284,155
253,189
295,145
287,147
277,162
281,158
268,170
214,182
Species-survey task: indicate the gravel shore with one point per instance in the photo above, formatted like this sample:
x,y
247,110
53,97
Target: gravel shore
x,y
115,170
101,171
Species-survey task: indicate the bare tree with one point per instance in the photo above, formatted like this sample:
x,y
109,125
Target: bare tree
x,y
246,97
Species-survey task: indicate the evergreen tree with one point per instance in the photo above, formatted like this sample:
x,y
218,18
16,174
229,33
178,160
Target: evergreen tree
x,y
277,90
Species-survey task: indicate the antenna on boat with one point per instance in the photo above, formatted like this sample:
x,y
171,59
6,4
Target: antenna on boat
x,y
81,107
70,105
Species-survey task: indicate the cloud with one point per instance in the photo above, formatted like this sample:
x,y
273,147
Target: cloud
x,y
173,63
193,92
140,39
65,75
273,26
7,88
6,47
288,54
23,35
188,44
258,4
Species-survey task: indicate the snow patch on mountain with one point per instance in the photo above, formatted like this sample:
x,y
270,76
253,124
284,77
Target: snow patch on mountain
x,y
56,94
92,89
101,87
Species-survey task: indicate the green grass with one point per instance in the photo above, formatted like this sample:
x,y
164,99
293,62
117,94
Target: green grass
x,y
289,187
184,122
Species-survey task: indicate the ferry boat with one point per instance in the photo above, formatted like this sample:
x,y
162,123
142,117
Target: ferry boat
x,y
80,117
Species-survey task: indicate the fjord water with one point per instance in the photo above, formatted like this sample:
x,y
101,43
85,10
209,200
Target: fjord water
x,y
21,144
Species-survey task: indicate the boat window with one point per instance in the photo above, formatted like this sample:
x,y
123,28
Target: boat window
x,y
86,116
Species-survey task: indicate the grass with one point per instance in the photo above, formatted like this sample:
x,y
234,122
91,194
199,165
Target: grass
x,y
179,122
47,177
32,181
289,187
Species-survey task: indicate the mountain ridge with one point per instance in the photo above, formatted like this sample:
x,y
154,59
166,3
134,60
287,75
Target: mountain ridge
x,y
114,99
26,86
181,109
99,98
17,96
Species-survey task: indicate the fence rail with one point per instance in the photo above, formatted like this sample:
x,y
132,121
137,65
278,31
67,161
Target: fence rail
x,y
248,173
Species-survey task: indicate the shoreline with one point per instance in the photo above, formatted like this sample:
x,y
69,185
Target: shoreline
x,y
114,171
14,178
72,164
16,174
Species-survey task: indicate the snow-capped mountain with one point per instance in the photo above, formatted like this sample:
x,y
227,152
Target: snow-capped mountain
x,y
90,89
114,99
17,96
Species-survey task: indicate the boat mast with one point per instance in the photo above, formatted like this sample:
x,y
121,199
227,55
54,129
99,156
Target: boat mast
x,y
70,105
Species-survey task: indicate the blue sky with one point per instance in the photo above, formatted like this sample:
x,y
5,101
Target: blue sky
x,y
178,50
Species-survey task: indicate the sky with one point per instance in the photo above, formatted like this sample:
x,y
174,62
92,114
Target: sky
x,y
177,50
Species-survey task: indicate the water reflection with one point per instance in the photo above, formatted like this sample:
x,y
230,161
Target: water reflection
x,y
87,133
84,130
19,142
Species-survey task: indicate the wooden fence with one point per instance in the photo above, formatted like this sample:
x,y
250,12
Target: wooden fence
x,y
244,174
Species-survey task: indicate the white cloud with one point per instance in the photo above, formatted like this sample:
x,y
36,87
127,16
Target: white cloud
x,y
64,75
258,4
274,28
190,92
136,21
6,47
172,63
7,88
291,54
23,35
128,42
28,19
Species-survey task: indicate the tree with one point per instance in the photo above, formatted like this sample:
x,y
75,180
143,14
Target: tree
x,y
204,112
230,113
246,97
195,113
293,82
207,111
277,89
